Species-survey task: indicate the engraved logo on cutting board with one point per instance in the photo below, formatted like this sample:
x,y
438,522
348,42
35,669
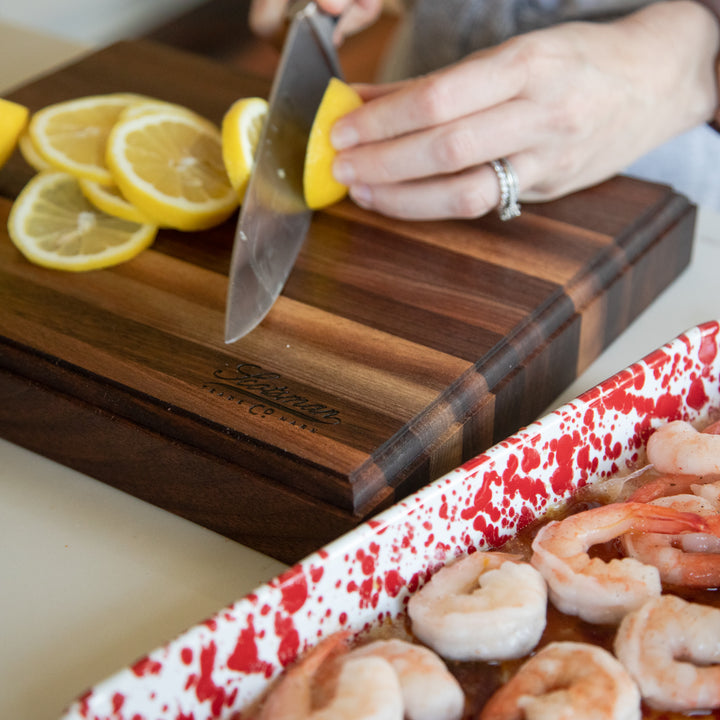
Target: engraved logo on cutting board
x,y
263,394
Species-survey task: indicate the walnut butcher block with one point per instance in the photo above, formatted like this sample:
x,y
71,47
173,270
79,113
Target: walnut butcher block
x,y
396,351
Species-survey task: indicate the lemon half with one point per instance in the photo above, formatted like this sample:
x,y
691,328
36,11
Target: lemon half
x,y
319,186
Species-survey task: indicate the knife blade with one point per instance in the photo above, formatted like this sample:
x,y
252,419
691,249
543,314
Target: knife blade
x,y
274,218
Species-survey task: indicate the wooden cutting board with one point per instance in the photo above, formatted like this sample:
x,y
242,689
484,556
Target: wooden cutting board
x,y
396,350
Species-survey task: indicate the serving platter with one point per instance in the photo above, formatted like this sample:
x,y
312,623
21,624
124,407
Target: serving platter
x,y
218,668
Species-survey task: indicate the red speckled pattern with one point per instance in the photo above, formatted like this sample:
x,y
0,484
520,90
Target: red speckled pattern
x,y
222,665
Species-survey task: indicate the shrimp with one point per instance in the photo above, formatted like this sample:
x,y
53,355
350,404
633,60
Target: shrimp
x,y
679,448
567,681
429,690
598,591
671,647
364,688
691,559
471,609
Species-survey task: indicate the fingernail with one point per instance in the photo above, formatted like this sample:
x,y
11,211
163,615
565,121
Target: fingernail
x,y
343,136
362,195
343,172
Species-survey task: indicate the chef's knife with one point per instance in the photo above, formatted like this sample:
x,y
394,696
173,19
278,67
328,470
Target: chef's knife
x,y
274,218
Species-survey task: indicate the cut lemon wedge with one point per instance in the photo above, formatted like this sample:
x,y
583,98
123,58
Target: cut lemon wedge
x,y
319,186
241,129
110,200
13,119
54,225
71,135
170,166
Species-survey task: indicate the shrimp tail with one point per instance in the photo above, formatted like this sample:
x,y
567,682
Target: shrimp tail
x,y
668,484
713,524
309,664
331,645
293,689
668,521
713,428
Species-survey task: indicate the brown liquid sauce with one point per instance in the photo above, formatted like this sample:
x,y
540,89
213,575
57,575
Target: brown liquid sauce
x,y
480,680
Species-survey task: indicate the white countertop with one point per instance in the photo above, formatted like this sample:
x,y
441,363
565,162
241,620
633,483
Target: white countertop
x,y
80,594
92,21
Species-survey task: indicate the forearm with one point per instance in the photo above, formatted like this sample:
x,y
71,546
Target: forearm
x,y
714,7
681,39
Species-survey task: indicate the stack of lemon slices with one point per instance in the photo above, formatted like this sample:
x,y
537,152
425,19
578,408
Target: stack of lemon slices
x,y
114,168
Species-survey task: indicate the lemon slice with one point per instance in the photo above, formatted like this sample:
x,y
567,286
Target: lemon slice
x,y
13,119
71,135
31,156
54,225
319,186
169,165
110,200
241,129
152,105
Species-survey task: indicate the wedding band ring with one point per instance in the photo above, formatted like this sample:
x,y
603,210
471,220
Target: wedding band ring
x,y
509,207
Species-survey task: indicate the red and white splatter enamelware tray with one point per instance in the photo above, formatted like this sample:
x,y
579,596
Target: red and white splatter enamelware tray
x,y
222,665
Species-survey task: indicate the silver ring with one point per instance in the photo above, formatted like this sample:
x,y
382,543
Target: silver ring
x,y
509,207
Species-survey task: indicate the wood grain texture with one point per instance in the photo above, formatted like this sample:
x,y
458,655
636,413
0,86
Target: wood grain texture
x,y
219,29
396,350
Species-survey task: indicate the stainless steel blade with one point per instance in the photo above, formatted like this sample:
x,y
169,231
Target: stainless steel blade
x,y
274,218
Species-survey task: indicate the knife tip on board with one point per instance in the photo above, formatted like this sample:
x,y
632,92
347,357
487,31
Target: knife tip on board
x,y
230,338
234,332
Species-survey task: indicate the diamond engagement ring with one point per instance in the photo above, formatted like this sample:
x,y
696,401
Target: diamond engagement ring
x,y
509,207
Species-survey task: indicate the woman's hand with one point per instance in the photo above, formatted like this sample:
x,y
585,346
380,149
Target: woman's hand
x,y
267,16
569,106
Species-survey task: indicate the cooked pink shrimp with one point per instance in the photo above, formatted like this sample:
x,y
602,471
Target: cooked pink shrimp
x,y
567,681
679,448
691,559
430,691
365,688
598,591
471,609
671,647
